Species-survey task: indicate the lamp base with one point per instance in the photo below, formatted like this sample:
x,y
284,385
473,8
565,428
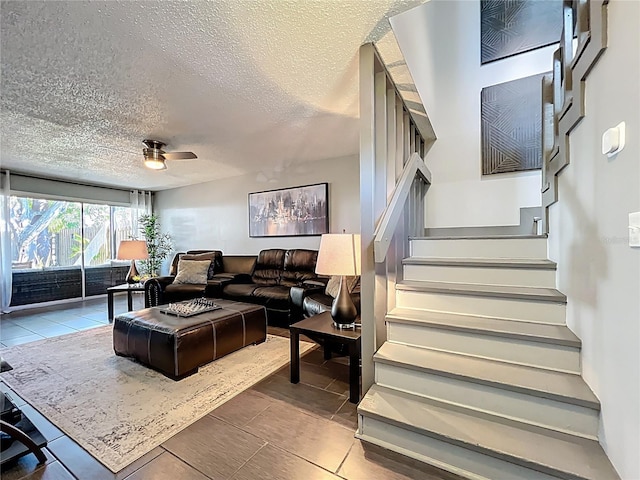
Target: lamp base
x,y
343,311
133,272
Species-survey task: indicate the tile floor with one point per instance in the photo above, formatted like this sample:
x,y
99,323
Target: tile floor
x,y
274,430
22,326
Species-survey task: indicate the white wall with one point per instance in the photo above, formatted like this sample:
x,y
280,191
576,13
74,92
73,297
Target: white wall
x,y
440,41
215,214
598,270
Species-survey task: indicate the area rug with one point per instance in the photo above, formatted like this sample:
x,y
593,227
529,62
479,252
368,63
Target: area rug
x,y
117,409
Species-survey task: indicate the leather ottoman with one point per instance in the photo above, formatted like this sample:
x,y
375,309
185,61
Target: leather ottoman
x,y
177,346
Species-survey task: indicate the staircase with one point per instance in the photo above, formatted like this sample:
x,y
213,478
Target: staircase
x,y
479,375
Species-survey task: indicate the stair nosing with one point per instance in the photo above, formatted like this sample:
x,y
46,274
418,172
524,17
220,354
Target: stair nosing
x,y
433,323
497,263
489,450
492,291
481,237
463,473
527,390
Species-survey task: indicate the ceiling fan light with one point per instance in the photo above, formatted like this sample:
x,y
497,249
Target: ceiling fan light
x,y
155,163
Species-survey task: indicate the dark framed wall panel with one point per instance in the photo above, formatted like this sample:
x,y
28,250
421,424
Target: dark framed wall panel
x,y
510,27
511,126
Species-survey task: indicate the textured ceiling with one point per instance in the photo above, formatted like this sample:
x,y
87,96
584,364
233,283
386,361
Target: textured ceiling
x,y
249,86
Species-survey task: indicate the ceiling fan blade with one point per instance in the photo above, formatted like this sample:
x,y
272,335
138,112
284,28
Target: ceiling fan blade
x,y
179,155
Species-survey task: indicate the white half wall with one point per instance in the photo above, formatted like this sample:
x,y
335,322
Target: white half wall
x,y
440,41
215,214
597,270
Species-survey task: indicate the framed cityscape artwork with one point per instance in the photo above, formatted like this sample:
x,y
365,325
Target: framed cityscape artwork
x,y
289,212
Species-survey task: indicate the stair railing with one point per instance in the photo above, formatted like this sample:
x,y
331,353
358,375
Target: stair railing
x,y
414,171
582,43
395,136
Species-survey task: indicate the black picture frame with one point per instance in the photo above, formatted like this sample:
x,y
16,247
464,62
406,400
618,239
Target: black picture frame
x,y
289,212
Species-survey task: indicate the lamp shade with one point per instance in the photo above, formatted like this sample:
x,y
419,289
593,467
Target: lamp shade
x,y
339,254
132,250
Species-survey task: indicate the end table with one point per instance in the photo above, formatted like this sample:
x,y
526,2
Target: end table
x,y
321,330
129,288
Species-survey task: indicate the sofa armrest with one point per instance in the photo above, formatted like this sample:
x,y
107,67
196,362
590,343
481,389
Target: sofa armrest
x,y
315,283
297,295
153,289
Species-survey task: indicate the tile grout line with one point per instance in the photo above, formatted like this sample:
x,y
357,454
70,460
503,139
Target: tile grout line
x,y
249,459
345,457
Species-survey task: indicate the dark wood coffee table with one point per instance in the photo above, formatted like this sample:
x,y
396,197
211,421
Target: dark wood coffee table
x,y
320,329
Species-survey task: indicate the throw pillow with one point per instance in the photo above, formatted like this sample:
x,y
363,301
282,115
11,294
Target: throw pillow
x,y
192,271
201,257
333,285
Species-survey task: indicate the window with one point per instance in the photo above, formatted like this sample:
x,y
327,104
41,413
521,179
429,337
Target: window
x,y
44,232
63,249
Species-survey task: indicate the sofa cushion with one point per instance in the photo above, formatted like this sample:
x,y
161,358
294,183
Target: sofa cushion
x,y
238,263
317,303
192,271
275,296
217,259
299,265
182,291
269,267
200,257
173,269
217,267
239,290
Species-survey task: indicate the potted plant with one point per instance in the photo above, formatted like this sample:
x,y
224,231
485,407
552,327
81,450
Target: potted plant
x,y
159,245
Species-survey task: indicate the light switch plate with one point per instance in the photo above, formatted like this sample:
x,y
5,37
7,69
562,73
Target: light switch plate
x,y
613,140
634,229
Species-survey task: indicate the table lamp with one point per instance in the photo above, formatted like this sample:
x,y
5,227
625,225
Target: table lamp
x,y
339,254
132,250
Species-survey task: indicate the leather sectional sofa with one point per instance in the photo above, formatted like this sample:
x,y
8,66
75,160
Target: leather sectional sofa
x,y
265,280
223,270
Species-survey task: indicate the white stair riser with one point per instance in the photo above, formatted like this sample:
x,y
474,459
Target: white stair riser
x,y
521,408
442,454
522,277
538,354
481,248
536,311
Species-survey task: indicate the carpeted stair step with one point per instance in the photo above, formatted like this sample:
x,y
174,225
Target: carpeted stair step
x,y
498,451
528,343
541,304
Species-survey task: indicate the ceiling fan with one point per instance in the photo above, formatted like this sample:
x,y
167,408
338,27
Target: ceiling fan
x,y
154,156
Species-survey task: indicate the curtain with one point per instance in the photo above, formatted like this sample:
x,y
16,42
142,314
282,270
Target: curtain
x,y
5,242
140,205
